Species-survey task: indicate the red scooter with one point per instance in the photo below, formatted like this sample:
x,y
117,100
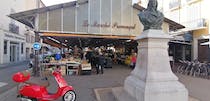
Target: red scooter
x,y
34,92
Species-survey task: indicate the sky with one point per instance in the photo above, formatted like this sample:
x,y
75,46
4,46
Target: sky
x,y
53,2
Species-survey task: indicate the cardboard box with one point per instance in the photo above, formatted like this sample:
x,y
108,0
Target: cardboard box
x,y
63,67
86,66
63,72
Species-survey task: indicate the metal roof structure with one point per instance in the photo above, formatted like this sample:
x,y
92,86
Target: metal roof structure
x,y
28,17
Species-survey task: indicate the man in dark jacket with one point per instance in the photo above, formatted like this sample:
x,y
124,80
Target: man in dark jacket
x,y
100,63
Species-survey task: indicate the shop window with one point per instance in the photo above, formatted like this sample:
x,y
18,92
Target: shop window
x,y
5,47
27,38
14,28
203,51
21,48
32,39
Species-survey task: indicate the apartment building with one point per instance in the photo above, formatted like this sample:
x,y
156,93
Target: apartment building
x,y
193,14
13,35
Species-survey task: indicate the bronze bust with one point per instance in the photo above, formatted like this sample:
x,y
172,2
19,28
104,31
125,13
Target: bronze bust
x,y
151,18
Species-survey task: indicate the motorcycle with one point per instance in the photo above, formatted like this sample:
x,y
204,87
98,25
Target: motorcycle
x,y
34,92
30,64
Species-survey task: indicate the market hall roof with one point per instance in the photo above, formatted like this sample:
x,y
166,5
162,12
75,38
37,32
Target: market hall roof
x,y
28,17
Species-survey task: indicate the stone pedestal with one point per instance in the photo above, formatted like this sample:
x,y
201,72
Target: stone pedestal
x,y
152,78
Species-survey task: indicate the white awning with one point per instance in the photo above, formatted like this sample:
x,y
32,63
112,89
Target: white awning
x,y
182,31
206,43
205,36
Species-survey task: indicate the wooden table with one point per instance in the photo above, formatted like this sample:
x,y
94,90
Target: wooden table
x,y
69,67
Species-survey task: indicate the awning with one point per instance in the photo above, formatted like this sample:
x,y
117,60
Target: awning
x,y
53,34
205,36
172,24
53,43
206,43
180,42
182,31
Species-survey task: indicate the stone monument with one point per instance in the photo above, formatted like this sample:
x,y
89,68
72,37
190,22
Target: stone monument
x,y
152,78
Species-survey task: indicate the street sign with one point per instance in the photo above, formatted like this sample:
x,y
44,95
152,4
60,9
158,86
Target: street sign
x,y
37,46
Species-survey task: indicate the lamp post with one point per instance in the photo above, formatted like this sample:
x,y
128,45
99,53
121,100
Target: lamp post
x,y
36,64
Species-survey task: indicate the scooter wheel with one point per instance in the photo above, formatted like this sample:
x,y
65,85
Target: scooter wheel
x,y
27,99
69,96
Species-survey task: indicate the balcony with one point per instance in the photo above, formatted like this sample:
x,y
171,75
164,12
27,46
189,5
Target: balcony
x,y
199,23
174,5
191,1
13,28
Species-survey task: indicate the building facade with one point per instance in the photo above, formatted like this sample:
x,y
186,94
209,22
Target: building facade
x,y
96,19
12,33
193,14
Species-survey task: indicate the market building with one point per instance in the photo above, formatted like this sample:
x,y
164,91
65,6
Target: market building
x,y
88,23
112,19
12,38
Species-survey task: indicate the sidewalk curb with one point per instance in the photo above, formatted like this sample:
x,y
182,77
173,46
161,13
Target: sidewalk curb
x,y
97,92
3,66
8,94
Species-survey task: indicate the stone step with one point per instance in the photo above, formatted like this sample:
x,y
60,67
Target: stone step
x,y
112,94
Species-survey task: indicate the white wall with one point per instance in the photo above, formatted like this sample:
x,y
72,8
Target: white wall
x,y
6,57
5,9
1,47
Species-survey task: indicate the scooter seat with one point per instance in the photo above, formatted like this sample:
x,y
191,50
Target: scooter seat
x,y
38,81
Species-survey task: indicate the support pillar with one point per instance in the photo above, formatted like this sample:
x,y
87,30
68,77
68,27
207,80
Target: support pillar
x,y
36,64
152,78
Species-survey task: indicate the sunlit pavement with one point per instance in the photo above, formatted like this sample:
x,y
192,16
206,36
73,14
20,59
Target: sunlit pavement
x,y
84,85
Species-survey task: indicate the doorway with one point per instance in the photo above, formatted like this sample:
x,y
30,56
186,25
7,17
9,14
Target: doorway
x,y
14,52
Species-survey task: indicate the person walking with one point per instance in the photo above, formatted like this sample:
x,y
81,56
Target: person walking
x,y
100,63
133,60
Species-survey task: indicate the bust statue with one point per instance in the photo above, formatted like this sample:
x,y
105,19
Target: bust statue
x,y
151,18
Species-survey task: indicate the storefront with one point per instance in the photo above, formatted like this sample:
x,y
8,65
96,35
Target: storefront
x,y
203,51
13,49
180,47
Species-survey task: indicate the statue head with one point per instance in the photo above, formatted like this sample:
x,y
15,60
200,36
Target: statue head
x,y
152,5
151,18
